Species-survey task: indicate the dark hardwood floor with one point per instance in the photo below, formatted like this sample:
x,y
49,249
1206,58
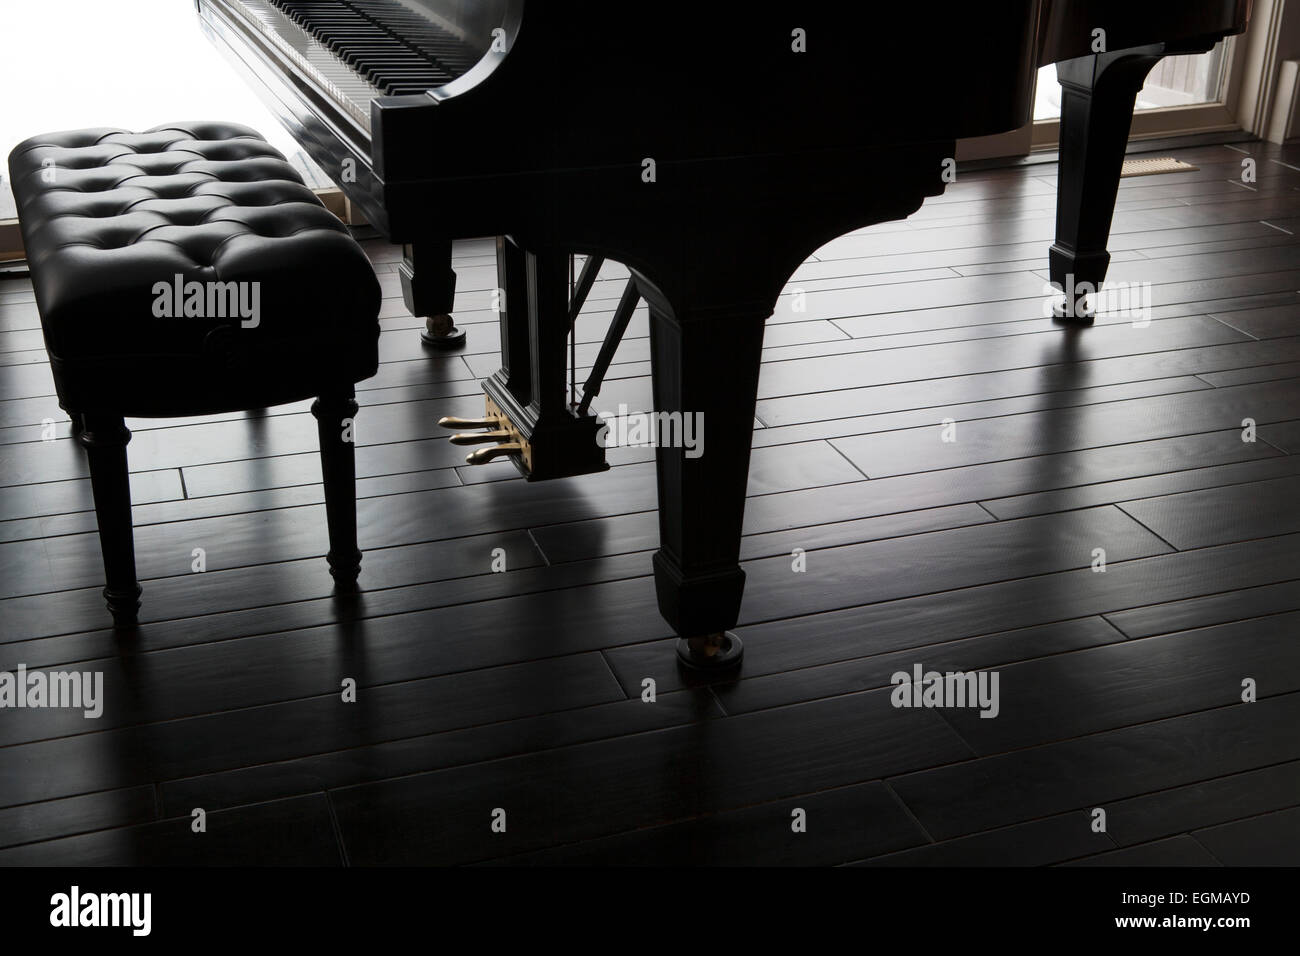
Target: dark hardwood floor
x,y
522,690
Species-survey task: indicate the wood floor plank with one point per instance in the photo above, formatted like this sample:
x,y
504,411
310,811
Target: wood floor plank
x,y
290,767
231,541
1174,296
1195,519
160,747
866,408
996,479
851,633
604,615
1263,373
52,819
1036,843
841,824
1095,770
295,832
59,497
1284,435
1133,682
1232,605
215,506
1270,323
1065,429
1175,851
70,625
1110,492
599,789
582,540
1205,803
137,691
1000,354
848,677
818,425
1272,839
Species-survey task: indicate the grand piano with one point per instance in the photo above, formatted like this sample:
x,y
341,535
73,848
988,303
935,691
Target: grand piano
x,y
710,147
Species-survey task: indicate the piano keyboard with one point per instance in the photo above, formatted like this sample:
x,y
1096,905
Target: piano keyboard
x,y
355,50
351,92
389,43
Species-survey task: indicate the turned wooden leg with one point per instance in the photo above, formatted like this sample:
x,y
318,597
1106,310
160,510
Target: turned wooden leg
x,y
1097,97
335,413
105,438
705,366
429,290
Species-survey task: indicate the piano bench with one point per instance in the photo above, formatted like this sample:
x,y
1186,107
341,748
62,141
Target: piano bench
x,y
187,270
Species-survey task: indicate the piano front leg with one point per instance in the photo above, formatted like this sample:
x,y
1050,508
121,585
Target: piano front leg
x,y
1097,98
429,291
705,365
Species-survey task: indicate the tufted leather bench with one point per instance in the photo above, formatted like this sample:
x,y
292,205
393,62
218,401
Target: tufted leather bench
x,y
187,270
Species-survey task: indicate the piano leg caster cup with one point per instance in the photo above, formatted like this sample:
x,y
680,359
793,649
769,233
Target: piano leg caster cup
x,y
441,333
711,653
1063,314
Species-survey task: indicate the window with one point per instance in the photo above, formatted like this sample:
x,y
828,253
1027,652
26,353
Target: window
x,y
1176,81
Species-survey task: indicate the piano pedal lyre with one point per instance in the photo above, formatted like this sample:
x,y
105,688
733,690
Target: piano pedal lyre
x,y
545,435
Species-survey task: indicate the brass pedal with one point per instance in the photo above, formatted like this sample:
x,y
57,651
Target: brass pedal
x,y
477,438
450,421
498,429
485,455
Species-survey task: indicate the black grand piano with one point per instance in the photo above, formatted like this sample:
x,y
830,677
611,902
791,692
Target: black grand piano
x,y
710,147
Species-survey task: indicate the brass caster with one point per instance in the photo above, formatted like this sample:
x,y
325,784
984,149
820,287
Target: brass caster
x,y
710,653
441,333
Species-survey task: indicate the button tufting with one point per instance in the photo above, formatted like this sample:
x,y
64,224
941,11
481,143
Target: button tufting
x,y
109,215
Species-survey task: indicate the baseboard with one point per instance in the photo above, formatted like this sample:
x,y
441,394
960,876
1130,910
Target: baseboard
x,y
11,241
1162,144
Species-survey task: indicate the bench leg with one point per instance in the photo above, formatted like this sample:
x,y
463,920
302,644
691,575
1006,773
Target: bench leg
x,y
334,421
105,438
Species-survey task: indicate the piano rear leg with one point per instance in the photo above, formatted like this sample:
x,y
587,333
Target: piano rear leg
x,y
1097,97
429,290
706,366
